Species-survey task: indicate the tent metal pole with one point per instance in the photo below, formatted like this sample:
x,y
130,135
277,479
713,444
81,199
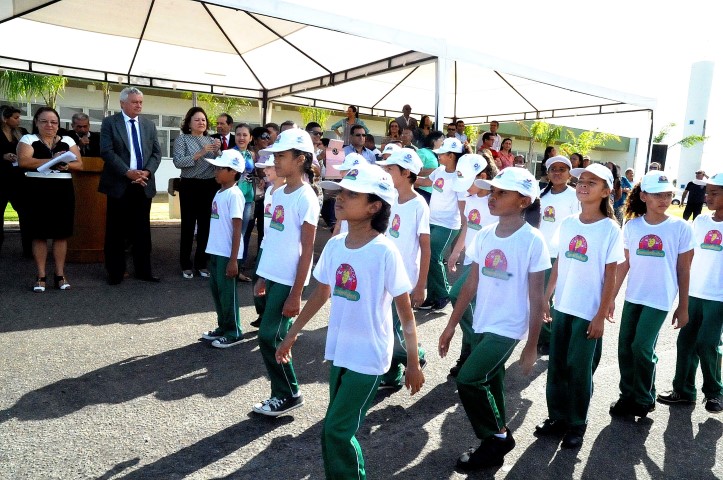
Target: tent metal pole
x,y
650,141
140,40
440,70
265,105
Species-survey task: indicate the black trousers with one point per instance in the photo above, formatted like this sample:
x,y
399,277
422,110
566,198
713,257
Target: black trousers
x,y
196,199
128,217
692,209
11,191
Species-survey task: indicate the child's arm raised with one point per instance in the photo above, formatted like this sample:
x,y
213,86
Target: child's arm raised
x,y
419,292
536,282
680,315
597,324
292,305
414,378
232,266
469,290
317,300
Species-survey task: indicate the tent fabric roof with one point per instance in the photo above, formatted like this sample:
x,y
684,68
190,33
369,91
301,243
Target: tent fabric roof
x,y
275,50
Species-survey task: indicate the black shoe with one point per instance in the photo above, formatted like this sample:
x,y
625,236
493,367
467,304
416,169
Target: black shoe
x,y
643,410
551,427
393,386
573,437
149,278
454,371
490,453
714,405
273,407
256,323
440,304
621,408
426,305
543,349
674,398
114,281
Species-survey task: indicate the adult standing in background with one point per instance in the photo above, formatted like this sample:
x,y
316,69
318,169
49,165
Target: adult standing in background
x,y
88,142
429,161
198,187
224,123
621,188
11,176
695,192
358,140
343,127
496,143
506,158
461,136
405,120
273,131
421,133
129,146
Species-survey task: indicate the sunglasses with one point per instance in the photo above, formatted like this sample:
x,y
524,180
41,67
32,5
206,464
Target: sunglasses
x,y
359,135
264,136
314,133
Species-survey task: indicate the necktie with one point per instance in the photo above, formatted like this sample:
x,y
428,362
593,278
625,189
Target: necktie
x,y
136,145
224,143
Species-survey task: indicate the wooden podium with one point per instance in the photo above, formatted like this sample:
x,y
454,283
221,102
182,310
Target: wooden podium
x,y
86,244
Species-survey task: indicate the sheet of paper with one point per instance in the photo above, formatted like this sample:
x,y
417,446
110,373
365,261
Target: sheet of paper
x,y
66,157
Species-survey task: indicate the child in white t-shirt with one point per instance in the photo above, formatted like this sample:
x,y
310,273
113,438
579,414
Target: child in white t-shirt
x,y
359,338
658,252
225,249
285,266
507,276
477,213
699,342
590,248
445,220
409,232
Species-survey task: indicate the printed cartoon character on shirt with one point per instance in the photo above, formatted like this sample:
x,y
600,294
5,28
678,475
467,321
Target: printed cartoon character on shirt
x,y
267,210
496,265
712,241
577,248
214,210
473,219
650,246
396,223
439,185
345,285
549,214
277,219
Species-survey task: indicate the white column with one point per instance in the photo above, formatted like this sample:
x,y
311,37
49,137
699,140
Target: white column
x,y
442,66
701,77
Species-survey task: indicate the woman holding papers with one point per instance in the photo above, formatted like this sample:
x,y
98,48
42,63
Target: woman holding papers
x,y
50,199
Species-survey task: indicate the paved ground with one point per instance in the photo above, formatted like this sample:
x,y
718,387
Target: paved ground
x,y
110,382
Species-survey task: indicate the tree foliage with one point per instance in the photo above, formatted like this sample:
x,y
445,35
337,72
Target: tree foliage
x,y
685,142
23,86
215,105
314,114
585,142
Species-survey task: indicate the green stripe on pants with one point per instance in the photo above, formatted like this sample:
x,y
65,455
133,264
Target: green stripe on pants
x,y
700,341
439,239
569,372
350,396
639,329
481,383
225,297
465,323
272,331
399,354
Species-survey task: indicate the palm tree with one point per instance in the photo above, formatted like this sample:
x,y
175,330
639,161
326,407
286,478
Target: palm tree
x,y
23,85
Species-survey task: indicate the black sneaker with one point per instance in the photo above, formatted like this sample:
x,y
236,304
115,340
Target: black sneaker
x,y
227,342
389,386
454,371
551,427
714,405
273,407
490,453
212,334
426,305
642,411
543,349
256,323
440,304
573,437
621,408
672,397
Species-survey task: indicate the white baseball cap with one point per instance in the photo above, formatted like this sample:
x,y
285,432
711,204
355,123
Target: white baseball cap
x,y
390,148
450,145
656,181
268,163
468,167
558,159
716,179
405,158
365,178
295,138
515,179
351,160
597,169
231,158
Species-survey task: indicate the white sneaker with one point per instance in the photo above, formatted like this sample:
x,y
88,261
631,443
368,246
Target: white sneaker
x,y
187,274
204,273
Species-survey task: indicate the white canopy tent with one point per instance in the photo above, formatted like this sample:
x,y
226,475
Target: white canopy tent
x,y
276,51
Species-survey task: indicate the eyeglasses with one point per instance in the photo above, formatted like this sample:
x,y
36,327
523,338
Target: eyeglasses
x,y
264,136
314,133
359,135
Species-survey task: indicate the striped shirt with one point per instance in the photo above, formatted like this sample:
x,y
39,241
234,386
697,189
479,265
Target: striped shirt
x,y
184,148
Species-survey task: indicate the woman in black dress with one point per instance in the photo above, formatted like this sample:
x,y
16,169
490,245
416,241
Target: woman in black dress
x,y
49,198
10,175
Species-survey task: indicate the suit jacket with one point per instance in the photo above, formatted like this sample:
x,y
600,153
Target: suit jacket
x,y
92,149
116,152
231,140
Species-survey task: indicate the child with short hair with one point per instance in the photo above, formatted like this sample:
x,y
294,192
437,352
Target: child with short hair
x,y
509,261
409,232
700,340
658,252
225,249
285,266
359,339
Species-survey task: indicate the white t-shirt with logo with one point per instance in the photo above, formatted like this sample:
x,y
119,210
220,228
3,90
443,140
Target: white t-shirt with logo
x,y
407,222
227,205
363,281
584,251
443,206
653,253
503,305
706,271
555,207
282,241
478,215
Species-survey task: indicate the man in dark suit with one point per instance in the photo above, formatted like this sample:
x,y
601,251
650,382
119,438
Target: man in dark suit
x,y
224,124
88,142
129,146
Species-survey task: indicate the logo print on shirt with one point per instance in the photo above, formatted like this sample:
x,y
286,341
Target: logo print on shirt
x,y
577,248
396,223
214,210
277,219
650,246
345,286
267,210
548,214
712,241
473,219
439,185
496,265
